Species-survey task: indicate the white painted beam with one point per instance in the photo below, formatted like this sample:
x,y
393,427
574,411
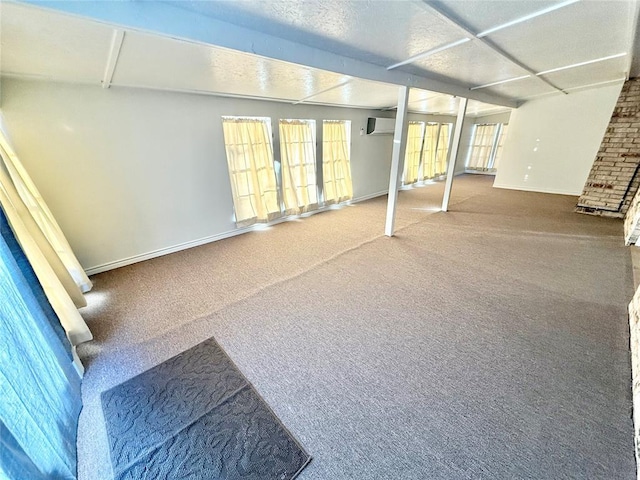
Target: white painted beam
x,y
112,59
581,64
340,85
526,18
428,53
397,159
500,82
455,150
182,23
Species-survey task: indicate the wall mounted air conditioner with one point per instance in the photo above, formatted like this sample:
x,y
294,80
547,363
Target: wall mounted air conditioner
x,y
381,126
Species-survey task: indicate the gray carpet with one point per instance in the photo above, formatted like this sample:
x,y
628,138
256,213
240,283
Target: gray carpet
x,y
487,342
195,416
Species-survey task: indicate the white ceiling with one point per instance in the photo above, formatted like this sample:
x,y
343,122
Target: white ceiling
x,y
362,42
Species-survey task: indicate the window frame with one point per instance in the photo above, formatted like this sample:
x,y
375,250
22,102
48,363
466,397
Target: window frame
x,y
344,193
493,146
253,177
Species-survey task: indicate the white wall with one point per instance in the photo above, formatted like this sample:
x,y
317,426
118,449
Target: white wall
x,y
131,172
552,141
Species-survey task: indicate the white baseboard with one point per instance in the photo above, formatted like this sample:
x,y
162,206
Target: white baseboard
x,y
539,190
164,251
478,172
212,238
369,197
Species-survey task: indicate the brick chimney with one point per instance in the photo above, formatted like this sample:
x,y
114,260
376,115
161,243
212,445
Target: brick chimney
x,y
613,180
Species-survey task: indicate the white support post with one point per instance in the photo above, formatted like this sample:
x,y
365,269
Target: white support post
x,y
455,149
397,158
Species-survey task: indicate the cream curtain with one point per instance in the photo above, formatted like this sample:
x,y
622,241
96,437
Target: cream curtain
x,y
46,223
442,150
482,146
58,284
251,170
298,160
413,152
336,161
429,151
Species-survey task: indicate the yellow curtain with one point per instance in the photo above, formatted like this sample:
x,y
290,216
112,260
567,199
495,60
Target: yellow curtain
x,y
57,283
481,148
442,150
39,211
336,161
298,160
415,137
253,177
429,151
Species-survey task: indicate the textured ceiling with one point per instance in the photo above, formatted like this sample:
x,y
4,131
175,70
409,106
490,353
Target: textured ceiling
x,y
364,49
356,29
576,33
37,43
159,62
543,34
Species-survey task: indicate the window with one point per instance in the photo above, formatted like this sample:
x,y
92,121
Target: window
x,y
336,161
486,147
298,157
435,150
413,153
481,147
251,170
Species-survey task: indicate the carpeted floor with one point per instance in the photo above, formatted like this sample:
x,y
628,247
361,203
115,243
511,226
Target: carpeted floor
x,y
487,342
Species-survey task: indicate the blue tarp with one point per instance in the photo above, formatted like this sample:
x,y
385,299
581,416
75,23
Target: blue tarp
x,y
40,398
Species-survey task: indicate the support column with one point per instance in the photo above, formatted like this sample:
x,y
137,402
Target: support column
x,y
397,157
455,149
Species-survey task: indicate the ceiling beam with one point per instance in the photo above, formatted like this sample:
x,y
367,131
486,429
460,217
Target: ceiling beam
x,y
182,23
339,85
500,82
526,18
582,64
112,59
467,32
586,86
428,53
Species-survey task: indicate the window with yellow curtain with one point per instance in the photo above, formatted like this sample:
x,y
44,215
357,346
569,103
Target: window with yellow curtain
x,y
442,150
253,178
298,159
336,161
482,147
413,152
429,149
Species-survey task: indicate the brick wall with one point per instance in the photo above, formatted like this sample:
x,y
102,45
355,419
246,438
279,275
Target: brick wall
x,y
634,330
614,180
632,222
